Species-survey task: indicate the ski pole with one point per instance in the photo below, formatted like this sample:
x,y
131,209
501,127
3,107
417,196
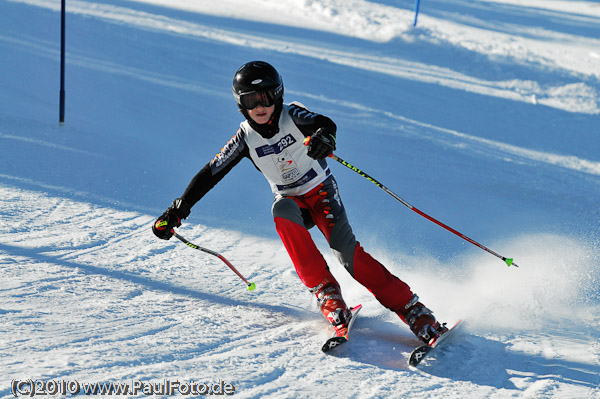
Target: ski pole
x,y
508,261
251,286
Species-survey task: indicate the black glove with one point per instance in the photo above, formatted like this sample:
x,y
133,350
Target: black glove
x,y
321,144
171,218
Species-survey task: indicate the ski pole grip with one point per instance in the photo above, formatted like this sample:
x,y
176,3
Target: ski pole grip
x,y
306,142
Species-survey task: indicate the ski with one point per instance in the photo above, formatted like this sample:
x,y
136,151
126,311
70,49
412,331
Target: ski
x,y
337,339
422,351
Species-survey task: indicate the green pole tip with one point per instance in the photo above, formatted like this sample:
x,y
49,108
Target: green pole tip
x,y
251,287
509,261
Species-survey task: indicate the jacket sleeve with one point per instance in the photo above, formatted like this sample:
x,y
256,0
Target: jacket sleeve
x,y
309,122
229,156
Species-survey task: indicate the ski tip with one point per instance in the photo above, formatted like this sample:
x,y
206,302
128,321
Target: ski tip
x,y
457,325
418,354
332,343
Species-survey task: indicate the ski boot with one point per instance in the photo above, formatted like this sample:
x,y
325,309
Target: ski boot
x,y
332,305
421,321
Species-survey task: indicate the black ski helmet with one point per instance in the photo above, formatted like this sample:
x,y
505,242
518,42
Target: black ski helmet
x,y
254,77
258,82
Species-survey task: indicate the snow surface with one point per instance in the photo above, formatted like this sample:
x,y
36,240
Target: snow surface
x,y
485,115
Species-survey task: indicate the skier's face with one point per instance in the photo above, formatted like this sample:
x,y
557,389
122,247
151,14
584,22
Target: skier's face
x,y
261,114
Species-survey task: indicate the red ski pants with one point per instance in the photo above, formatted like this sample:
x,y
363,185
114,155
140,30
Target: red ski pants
x,y
322,207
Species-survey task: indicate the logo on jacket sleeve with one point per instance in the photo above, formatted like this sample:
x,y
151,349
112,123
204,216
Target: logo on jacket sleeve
x,y
233,147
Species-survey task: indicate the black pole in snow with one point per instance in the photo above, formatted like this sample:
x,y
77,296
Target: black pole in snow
x,y
61,116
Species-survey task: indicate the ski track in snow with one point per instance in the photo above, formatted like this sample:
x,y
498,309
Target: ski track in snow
x,y
467,142
107,306
90,294
113,304
425,130
568,97
571,97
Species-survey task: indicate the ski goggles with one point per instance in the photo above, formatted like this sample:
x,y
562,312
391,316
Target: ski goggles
x,y
256,98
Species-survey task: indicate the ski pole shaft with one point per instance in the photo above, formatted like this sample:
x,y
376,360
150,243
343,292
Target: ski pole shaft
x,y
508,261
251,286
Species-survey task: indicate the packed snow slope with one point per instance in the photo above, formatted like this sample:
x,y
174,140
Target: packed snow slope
x,y
486,116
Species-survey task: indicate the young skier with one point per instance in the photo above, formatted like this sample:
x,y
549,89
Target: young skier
x,y
306,195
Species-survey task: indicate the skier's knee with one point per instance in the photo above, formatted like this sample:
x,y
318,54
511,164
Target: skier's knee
x,y
343,243
288,209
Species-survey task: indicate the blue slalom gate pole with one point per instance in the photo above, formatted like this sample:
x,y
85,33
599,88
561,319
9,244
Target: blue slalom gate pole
x,y
417,2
